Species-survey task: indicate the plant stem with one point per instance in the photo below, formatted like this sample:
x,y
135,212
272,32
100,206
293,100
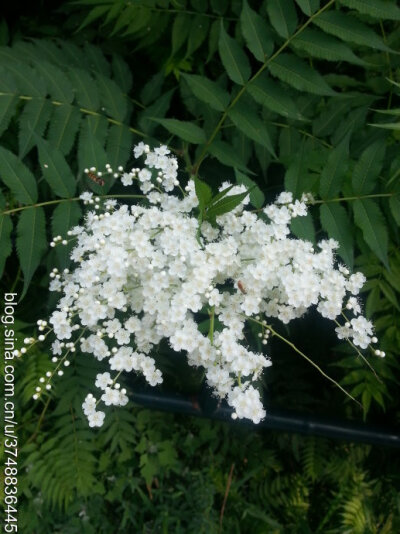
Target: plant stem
x,y
211,329
60,200
293,346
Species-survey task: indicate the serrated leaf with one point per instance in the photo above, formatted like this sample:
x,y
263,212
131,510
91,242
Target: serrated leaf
x,y
257,197
33,122
91,154
184,130
65,216
389,294
227,155
158,109
369,218
330,117
28,80
59,86
94,14
303,228
114,103
233,58
348,28
225,205
5,240
31,242
8,107
63,127
270,94
308,7
197,33
96,60
298,74
55,170
122,74
256,33
119,145
336,223
283,17
180,32
333,172
323,46
296,173
368,167
207,91
86,91
17,177
379,9
250,124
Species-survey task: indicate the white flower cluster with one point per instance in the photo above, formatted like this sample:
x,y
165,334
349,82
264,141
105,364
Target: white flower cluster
x,y
144,273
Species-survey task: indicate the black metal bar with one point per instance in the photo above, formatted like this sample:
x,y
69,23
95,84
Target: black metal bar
x,y
204,405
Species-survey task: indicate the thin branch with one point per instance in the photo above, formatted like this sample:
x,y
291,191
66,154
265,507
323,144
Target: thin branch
x,y
256,75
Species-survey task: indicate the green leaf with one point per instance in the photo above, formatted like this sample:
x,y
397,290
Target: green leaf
x,y
283,17
333,172
33,123
369,218
227,155
94,14
31,242
184,130
17,177
368,167
388,125
270,94
308,7
233,58
91,153
220,195
87,94
349,28
121,73
27,79
256,33
203,193
59,86
65,216
389,294
251,125
257,197
303,228
336,223
180,32
298,74
119,145
114,103
394,203
197,33
55,170
323,46
8,107
207,91
63,127
225,205
379,9
158,109
295,172
5,240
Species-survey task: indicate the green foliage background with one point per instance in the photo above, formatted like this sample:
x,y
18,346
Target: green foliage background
x,y
299,95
